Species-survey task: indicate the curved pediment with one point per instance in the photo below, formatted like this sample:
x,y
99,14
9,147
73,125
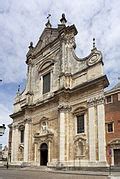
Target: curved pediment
x,y
80,138
79,109
115,142
94,57
45,65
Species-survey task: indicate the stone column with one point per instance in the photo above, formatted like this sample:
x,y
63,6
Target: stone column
x,y
49,152
13,143
26,140
61,133
92,133
101,129
16,137
41,85
35,157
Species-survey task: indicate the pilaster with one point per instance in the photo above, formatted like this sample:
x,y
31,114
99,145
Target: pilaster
x,y
26,140
101,129
35,152
92,130
62,117
13,142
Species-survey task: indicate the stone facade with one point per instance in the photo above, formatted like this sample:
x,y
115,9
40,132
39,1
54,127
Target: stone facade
x,y
49,120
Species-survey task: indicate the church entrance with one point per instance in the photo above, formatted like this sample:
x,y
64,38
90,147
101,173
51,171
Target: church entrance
x,y
117,157
43,154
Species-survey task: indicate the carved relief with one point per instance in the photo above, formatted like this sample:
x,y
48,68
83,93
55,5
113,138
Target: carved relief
x,y
93,59
80,146
21,152
44,134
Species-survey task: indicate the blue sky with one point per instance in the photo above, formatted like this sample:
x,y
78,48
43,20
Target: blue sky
x,y
23,21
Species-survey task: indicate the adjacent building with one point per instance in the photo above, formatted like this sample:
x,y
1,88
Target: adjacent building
x,y
112,113
5,153
59,119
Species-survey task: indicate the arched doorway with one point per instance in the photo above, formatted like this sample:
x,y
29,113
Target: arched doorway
x,y
43,154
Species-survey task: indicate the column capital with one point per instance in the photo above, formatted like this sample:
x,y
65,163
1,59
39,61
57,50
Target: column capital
x,y
27,120
15,126
100,100
91,102
97,100
64,107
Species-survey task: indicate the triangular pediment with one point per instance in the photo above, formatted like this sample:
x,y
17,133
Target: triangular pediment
x,y
48,36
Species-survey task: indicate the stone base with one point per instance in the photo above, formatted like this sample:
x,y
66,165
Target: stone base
x,y
77,163
113,177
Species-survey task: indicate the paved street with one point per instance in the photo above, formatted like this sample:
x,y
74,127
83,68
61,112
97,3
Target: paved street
x,y
22,174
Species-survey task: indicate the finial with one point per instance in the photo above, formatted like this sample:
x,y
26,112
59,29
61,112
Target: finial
x,y
31,45
94,43
63,19
48,24
18,89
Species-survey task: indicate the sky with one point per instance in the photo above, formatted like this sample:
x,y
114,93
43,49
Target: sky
x,y
23,21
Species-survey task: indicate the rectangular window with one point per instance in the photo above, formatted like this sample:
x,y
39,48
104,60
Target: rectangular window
x,y
80,124
22,136
46,83
108,99
110,127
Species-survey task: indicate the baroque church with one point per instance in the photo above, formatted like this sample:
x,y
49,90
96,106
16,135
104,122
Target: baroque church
x,y
59,119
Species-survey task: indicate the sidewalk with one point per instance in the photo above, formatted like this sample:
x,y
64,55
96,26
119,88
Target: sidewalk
x,y
77,172
113,175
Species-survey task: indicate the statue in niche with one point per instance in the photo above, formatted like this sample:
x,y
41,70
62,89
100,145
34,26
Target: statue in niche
x,y
79,149
44,128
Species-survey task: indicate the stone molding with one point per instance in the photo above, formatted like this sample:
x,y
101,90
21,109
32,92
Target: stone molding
x,y
94,58
45,138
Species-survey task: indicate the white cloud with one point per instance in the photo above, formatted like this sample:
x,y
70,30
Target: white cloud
x,y
4,119
23,21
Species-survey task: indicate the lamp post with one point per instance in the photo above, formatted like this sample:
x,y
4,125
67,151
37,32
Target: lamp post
x,y
2,129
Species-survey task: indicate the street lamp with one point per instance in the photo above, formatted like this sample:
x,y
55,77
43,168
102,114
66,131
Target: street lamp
x,y
2,129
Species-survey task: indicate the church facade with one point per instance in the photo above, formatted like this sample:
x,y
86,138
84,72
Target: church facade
x,y
59,119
